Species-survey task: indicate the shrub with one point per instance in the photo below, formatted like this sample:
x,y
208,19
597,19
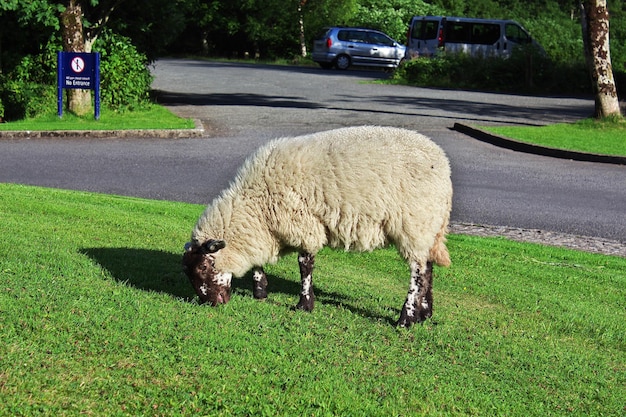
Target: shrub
x,y
526,71
125,79
29,88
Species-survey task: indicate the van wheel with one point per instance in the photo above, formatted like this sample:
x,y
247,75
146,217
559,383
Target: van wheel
x,y
342,62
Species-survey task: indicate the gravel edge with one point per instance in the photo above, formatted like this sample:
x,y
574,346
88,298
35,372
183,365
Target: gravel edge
x,y
582,243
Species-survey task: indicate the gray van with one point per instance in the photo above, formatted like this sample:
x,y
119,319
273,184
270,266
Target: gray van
x,y
429,35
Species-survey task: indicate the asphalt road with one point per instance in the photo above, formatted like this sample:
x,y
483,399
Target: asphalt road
x,y
243,106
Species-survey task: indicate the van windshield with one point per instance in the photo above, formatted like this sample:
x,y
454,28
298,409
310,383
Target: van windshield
x,y
425,29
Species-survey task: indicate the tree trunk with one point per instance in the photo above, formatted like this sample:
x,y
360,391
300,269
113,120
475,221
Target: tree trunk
x,y
301,25
595,26
79,101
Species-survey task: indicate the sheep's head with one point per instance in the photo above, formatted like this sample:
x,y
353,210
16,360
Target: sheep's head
x,y
211,285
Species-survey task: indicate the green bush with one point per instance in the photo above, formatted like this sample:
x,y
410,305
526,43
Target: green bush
x,y
125,79
526,71
29,88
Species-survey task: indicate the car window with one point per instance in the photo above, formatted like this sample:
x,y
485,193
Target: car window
x,y
322,34
379,39
357,36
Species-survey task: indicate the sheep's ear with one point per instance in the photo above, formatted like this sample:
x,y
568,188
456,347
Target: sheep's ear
x,y
212,245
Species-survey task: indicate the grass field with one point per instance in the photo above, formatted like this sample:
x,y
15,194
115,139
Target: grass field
x,y
149,117
96,318
600,137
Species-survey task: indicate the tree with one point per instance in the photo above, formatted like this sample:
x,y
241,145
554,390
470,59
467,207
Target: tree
x,y
595,27
79,100
79,35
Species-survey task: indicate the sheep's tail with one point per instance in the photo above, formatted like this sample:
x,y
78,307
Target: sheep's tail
x,y
439,252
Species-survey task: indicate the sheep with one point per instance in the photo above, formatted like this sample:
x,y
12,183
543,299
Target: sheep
x,y
356,188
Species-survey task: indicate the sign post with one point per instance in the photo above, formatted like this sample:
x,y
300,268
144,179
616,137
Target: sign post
x,y
78,70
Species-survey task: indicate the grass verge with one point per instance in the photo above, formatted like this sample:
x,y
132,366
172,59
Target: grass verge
x,y
149,117
97,318
605,137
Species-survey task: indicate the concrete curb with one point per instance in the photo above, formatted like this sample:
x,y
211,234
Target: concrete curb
x,y
197,132
512,144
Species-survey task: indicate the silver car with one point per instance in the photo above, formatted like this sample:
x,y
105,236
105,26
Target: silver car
x,y
342,47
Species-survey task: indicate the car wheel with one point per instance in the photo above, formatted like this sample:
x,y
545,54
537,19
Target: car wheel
x,y
342,62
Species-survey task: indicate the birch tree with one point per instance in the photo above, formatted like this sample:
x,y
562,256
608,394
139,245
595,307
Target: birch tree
x,y
595,28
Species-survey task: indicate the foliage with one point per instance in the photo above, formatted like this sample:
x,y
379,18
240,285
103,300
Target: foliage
x,y
151,25
230,28
28,62
98,319
270,29
391,16
29,88
527,70
125,76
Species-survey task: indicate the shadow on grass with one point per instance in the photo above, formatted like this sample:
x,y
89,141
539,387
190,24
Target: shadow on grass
x,y
144,269
277,284
159,271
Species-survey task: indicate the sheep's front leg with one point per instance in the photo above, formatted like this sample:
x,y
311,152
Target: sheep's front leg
x,y
419,300
260,284
307,298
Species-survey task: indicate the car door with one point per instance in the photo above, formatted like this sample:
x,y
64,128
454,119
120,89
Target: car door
x,y
356,45
383,50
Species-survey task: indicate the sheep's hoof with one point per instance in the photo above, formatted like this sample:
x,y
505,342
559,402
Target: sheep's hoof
x,y
305,305
404,323
259,294
407,321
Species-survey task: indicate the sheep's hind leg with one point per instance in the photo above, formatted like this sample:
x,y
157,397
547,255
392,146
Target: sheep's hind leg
x,y
307,298
419,300
259,290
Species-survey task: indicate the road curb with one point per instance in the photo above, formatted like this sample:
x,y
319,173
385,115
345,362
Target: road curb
x,y
197,132
515,145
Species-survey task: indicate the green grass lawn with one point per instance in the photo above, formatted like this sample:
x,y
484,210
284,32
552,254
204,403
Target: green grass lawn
x,y
96,318
149,117
604,137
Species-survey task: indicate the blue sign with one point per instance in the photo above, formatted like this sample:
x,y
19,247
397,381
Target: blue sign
x,y
78,70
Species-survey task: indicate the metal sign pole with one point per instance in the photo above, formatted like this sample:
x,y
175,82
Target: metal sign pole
x,y
97,85
60,84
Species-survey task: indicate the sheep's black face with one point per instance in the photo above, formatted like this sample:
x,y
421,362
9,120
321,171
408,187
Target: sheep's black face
x,y
211,285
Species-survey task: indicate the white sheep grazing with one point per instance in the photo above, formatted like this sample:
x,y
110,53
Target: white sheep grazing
x,y
356,188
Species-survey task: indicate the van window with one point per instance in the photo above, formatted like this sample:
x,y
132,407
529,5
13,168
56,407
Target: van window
x,y
516,34
425,29
472,33
485,34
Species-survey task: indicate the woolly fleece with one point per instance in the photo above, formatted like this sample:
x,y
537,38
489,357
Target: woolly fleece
x,y
356,188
